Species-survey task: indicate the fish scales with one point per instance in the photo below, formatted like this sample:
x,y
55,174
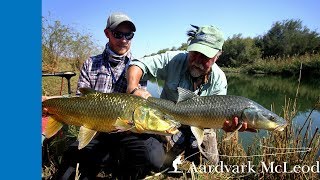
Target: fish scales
x,y
98,111
206,112
106,112
200,112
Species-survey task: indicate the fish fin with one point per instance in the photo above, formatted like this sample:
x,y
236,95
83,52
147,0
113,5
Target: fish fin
x,y
152,120
233,133
199,135
122,124
140,116
85,136
52,127
185,94
87,91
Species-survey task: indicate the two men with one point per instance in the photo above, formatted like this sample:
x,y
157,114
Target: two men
x,y
130,155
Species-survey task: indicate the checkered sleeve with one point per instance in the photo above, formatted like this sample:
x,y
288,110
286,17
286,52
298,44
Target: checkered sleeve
x,y
84,80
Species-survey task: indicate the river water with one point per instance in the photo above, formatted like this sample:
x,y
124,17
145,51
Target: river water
x,y
270,91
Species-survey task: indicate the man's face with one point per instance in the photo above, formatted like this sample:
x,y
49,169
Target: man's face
x,y
120,38
199,64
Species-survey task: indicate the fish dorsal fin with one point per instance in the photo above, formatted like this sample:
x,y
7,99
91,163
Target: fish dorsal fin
x,y
52,127
185,94
85,136
87,91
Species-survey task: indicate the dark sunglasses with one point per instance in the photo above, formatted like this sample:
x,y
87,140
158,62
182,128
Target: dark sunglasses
x,y
119,35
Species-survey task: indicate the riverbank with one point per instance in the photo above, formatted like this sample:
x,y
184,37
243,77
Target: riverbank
x,y
286,66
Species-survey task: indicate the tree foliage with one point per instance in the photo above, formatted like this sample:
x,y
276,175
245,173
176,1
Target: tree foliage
x,y
163,50
183,47
288,38
62,42
238,51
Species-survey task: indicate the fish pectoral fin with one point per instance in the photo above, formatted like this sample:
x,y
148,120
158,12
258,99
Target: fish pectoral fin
x,y
85,136
52,127
141,115
199,135
122,124
234,132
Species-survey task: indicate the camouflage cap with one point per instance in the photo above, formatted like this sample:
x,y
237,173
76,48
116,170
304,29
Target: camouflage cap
x,y
208,40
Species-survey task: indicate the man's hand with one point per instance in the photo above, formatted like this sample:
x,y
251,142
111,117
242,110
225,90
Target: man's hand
x,y
231,126
142,93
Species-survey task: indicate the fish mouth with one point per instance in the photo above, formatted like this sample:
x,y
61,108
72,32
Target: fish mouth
x,y
280,127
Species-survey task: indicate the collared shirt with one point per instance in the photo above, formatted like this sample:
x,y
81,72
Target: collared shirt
x,y
104,76
172,68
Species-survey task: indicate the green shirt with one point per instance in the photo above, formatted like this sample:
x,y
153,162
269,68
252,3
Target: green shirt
x,y
172,68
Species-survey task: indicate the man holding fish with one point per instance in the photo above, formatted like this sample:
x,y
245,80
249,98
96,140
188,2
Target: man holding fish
x,y
194,70
127,155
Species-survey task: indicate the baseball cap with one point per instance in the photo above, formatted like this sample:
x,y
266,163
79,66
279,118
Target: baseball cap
x,y
208,40
116,18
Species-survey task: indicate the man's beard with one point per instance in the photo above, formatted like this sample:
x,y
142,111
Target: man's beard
x,y
196,70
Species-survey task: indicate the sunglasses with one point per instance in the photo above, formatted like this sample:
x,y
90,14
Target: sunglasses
x,y
119,35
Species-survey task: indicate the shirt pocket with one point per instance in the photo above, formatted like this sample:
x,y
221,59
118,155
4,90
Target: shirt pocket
x,y
99,79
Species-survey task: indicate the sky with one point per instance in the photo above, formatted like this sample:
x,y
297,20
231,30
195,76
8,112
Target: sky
x,y
164,23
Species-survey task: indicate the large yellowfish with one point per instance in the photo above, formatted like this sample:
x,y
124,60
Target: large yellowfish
x,y
106,112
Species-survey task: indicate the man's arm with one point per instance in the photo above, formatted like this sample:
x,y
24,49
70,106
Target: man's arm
x,y
134,75
84,79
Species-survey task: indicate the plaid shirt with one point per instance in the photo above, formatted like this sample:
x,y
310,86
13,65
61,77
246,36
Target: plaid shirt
x,y
98,73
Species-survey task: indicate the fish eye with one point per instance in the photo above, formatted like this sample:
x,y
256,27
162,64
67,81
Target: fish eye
x,y
272,118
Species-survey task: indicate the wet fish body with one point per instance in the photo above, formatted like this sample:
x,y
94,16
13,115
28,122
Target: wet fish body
x,y
212,111
106,112
114,112
201,112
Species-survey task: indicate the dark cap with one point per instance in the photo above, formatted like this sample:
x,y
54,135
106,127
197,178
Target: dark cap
x,y
117,18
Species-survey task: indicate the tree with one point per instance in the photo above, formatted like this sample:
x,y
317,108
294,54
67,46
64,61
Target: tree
x,y
238,51
183,47
55,39
62,42
288,38
163,50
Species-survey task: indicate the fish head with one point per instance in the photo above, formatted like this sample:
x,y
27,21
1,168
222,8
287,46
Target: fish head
x,y
261,118
152,120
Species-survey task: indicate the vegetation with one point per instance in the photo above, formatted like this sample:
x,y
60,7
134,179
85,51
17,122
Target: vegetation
x,y
286,66
279,51
61,43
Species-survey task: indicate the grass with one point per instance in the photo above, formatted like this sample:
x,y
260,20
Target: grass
x,y
54,85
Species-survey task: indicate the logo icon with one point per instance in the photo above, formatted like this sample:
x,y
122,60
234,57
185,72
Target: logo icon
x,y
175,165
